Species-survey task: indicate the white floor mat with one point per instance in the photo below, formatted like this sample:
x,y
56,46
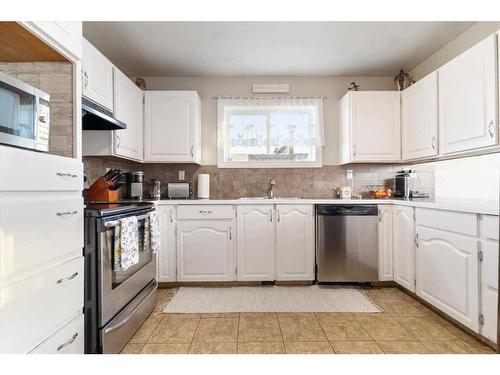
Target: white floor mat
x,y
270,299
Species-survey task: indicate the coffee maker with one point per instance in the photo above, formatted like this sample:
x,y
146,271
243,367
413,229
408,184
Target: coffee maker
x,y
406,182
134,186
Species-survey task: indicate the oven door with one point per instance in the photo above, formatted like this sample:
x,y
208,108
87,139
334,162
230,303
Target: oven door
x,y
118,286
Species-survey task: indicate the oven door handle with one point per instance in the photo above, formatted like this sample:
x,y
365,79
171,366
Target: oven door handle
x,y
114,223
129,315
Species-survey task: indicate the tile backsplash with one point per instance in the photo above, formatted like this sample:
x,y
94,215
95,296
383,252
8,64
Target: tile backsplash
x,y
56,79
238,182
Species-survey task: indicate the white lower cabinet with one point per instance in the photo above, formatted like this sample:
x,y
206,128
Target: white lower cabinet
x,y
294,242
167,255
403,227
489,276
67,340
205,251
385,245
447,266
255,245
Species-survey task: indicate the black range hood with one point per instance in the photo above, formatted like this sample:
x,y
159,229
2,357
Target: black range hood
x,y
94,117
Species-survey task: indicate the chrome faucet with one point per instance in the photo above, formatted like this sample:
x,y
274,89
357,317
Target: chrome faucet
x,y
271,189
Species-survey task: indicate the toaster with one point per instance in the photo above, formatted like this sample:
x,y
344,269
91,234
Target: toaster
x,y
179,190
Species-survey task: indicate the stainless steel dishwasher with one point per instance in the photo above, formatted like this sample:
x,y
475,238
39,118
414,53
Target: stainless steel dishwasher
x,y
347,243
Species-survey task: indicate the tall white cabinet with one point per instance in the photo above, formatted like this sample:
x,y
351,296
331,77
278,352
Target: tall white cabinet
x,y
167,255
385,244
403,226
255,247
468,99
294,242
419,119
370,127
97,76
172,127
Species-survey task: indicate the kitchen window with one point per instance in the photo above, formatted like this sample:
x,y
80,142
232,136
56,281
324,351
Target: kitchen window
x,y
270,132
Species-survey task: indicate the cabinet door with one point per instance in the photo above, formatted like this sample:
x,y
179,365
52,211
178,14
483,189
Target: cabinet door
x,y
404,247
489,276
376,126
172,126
205,251
447,273
167,256
129,108
67,33
255,245
419,112
385,251
97,76
467,100
294,242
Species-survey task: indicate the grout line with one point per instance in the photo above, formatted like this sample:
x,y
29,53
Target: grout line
x,y
238,334
324,333
281,334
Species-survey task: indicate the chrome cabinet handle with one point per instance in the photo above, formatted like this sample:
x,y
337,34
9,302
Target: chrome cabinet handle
x,y
67,278
278,214
205,212
192,151
86,79
171,217
491,129
69,342
67,213
433,142
271,215
66,174
230,233
416,240
379,216
119,141
353,150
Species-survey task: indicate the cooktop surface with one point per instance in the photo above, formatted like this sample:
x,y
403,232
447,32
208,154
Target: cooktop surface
x,y
120,207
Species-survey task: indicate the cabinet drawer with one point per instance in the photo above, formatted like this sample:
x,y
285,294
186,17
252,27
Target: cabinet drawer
x,y
194,212
452,221
38,231
34,308
67,340
22,170
489,227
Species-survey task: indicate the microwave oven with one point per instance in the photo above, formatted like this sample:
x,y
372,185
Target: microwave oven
x,y
24,114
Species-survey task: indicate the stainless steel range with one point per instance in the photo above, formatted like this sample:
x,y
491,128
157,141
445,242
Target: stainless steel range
x,y
117,301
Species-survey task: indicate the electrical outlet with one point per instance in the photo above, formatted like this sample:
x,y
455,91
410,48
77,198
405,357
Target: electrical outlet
x,y
182,175
350,175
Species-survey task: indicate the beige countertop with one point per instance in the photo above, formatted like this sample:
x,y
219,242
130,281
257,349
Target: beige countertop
x,y
478,206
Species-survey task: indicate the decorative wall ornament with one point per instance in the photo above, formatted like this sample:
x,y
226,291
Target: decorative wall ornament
x,y
141,83
403,80
353,86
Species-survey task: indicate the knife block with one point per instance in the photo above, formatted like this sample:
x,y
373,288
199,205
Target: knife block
x,y
100,191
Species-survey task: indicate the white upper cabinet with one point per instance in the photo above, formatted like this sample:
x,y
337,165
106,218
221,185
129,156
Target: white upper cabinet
x,y
385,246
129,109
167,255
468,99
294,242
403,227
68,34
97,76
172,127
419,112
255,245
370,127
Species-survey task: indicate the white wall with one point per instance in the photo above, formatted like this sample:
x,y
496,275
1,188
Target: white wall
x,y
210,87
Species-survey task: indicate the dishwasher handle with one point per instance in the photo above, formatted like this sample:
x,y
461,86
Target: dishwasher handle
x,y
346,210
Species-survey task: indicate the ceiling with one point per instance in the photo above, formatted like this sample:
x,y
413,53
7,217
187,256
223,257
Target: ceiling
x,y
269,48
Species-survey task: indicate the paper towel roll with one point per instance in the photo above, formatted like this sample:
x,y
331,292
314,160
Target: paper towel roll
x,y
204,186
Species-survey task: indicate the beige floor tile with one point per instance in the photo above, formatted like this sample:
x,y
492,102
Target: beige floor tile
x,y
298,328
174,330
132,349
479,347
181,316
336,315
261,348
449,347
453,328
343,328
386,292
310,314
397,307
258,315
259,328
356,347
308,348
221,315
217,330
403,347
213,348
144,332
165,348
426,328
382,327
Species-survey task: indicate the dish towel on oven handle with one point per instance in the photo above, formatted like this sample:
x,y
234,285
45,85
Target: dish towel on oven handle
x,y
128,242
152,232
